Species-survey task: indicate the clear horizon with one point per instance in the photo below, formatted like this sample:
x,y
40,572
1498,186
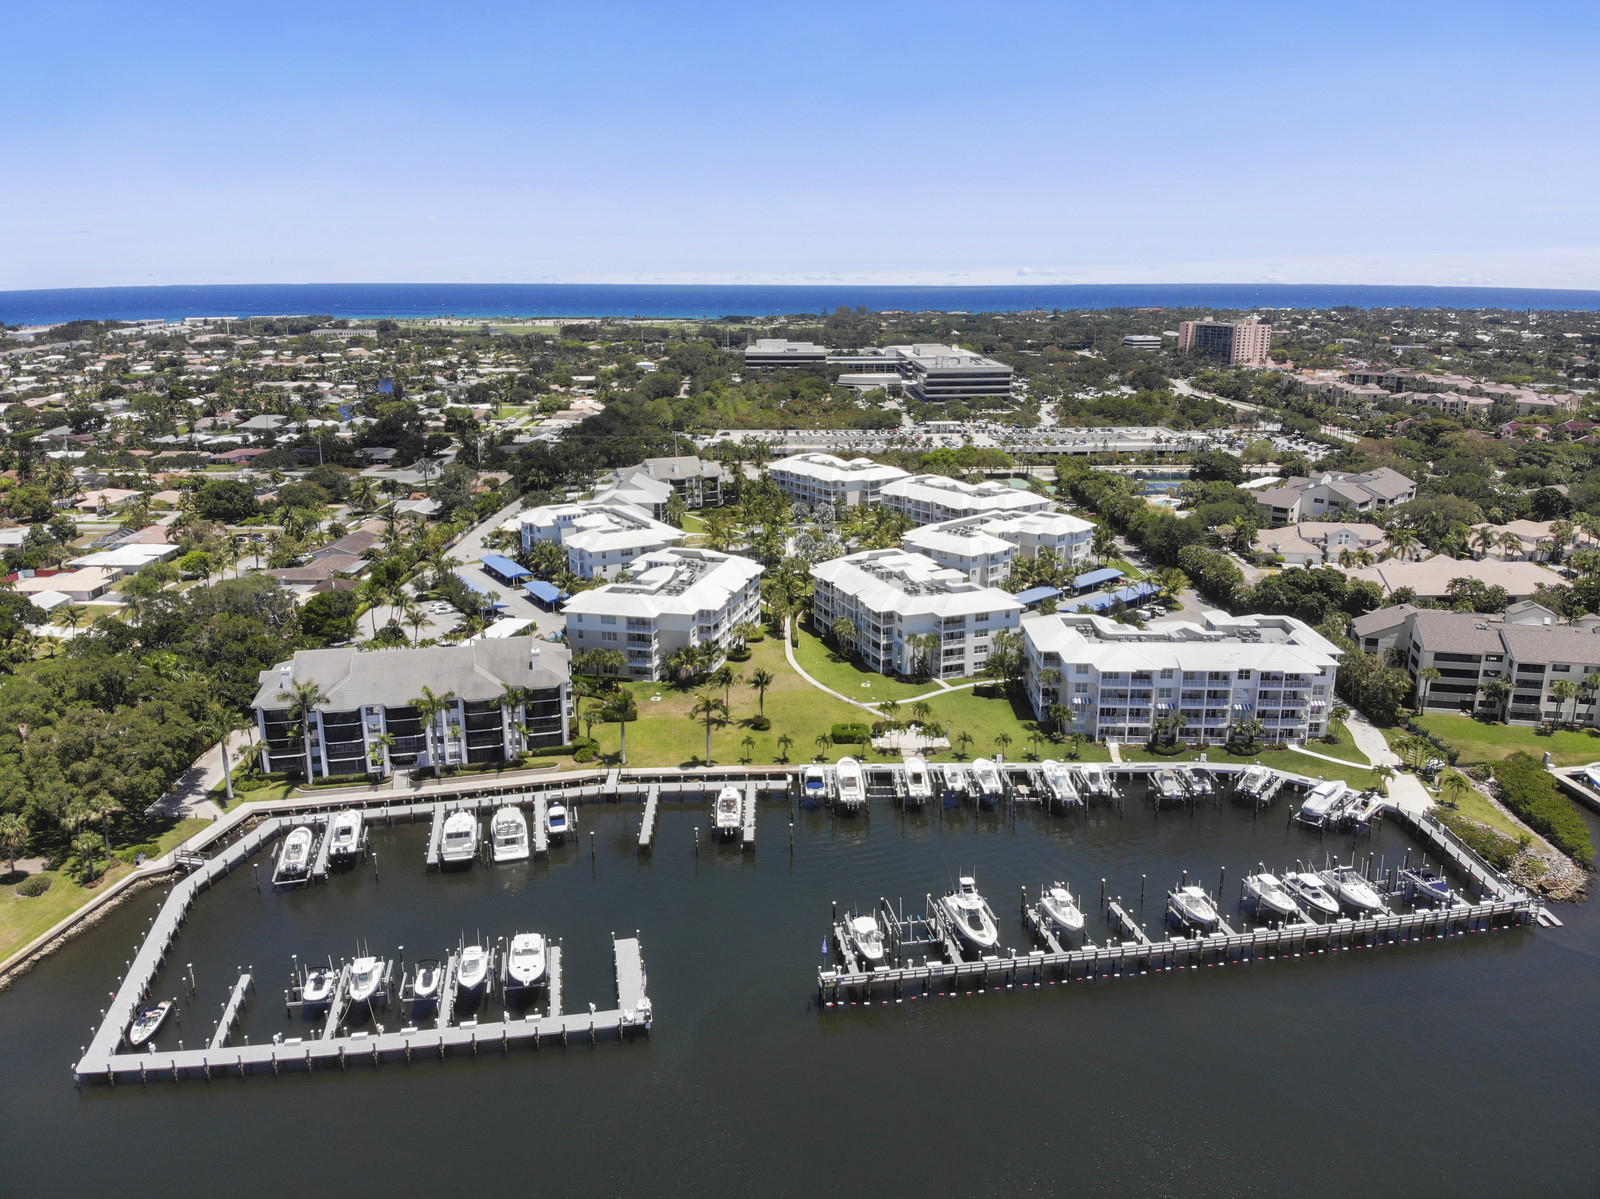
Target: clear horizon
x,y
890,145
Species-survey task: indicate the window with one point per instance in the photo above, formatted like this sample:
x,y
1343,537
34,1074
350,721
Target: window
x,y
608,620
1244,674
1167,674
608,636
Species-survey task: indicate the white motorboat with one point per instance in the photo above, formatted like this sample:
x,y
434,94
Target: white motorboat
x,y
508,834
1168,786
1093,779
956,780
1252,781
852,795
318,986
1269,896
147,1021
987,776
525,963
459,844
1309,890
425,987
556,820
816,784
1427,886
295,859
1353,890
1198,782
344,836
1362,811
1059,779
473,968
1321,802
866,940
1193,908
919,788
366,974
1057,906
729,810
969,915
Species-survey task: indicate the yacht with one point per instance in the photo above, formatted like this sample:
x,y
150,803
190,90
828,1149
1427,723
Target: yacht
x,y
815,784
1252,781
1320,803
148,1021
1427,886
1193,908
1059,779
1308,889
1169,788
473,968
1353,890
317,988
1061,910
969,915
366,973
919,789
987,776
956,780
556,820
866,940
852,794
1269,896
459,843
295,859
344,836
728,811
525,964
508,834
1094,780
425,987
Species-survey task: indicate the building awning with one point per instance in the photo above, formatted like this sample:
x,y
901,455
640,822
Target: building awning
x,y
1036,595
545,593
1097,578
505,569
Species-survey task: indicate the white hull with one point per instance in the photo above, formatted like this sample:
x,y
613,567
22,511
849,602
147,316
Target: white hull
x,y
295,859
969,916
508,833
556,821
1309,891
1270,897
459,843
987,777
1193,907
344,837
525,963
852,792
919,790
1353,891
366,974
1320,803
148,1022
1059,779
318,987
1058,907
1095,780
729,811
426,987
473,970
1167,785
866,941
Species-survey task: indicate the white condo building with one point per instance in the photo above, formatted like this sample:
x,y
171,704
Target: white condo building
x,y
927,499
984,547
601,538
677,598
1117,681
825,479
894,596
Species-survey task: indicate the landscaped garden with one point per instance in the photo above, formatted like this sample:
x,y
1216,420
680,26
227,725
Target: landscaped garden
x,y
1480,741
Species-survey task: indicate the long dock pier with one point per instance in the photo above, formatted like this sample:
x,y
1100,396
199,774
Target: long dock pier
x,y
647,824
747,818
232,1010
1125,924
541,826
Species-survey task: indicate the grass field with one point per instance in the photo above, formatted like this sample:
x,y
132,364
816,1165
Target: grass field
x,y
848,678
1481,742
1346,749
1278,759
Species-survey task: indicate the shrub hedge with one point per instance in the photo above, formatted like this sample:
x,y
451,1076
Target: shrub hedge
x,y
1493,847
844,734
1528,790
34,885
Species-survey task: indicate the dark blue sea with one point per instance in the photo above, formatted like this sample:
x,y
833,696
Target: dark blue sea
x,y
653,300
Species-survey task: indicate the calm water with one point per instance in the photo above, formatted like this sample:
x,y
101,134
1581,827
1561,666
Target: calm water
x,y
1467,1067
575,299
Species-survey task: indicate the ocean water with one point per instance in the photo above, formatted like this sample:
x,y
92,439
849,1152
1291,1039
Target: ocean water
x,y
629,300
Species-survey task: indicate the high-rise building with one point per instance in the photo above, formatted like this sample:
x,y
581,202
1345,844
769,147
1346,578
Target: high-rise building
x,y
1244,343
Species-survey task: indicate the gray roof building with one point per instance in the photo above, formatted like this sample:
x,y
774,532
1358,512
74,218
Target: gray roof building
x,y
354,678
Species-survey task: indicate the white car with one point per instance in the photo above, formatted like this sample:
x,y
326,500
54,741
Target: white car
x,y
440,609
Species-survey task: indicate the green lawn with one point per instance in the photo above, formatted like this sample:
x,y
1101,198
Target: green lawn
x,y
1474,806
1481,742
1278,759
1346,749
1128,568
986,717
848,678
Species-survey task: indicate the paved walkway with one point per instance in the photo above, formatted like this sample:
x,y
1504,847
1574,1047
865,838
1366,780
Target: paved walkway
x,y
1311,753
190,796
1370,740
940,686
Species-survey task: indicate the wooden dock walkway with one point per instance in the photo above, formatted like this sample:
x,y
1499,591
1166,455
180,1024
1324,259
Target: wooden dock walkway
x,y
232,1010
647,824
436,834
1126,925
553,975
336,1004
541,826
319,866
747,817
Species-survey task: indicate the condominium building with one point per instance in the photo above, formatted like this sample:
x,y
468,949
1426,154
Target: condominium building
x,y
927,499
824,479
909,611
1244,343
697,481
601,538
984,547
1117,682
501,696
677,599
1331,492
1527,646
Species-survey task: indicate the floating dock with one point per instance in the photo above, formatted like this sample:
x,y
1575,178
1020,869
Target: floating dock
x,y
647,823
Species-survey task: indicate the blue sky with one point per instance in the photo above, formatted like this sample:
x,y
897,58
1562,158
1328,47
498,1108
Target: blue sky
x,y
919,143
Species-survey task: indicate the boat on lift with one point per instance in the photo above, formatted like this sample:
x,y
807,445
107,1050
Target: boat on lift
x,y
147,1021
1059,779
1198,782
1061,910
459,843
815,784
956,780
987,777
425,987
1193,908
1093,779
1269,897
472,971
317,988
866,940
1252,780
729,810
852,785
508,834
1359,813
1427,886
526,960
366,975
919,788
1353,890
556,821
970,916
295,858
1321,802
1169,788
1309,889
344,837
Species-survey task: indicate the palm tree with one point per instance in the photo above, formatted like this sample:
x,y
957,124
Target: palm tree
x,y
1484,540
512,697
1563,691
1425,680
13,836
219,723
727,678
748,744
824,743
85,846
429,708
72,615
1035,740
844,632
378,751
710,708
1453,787
621,707
785,744
303,700
102,806
1404,542
760,679
1498,691
890,709
964,740
1002,742
1587,687
1511,545
921,711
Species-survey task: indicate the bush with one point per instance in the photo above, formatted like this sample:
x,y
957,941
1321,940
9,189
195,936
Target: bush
x,y
131,853
1493,847
845,734
740,653
1479,772
585,749
1527,788
761,723
34,885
